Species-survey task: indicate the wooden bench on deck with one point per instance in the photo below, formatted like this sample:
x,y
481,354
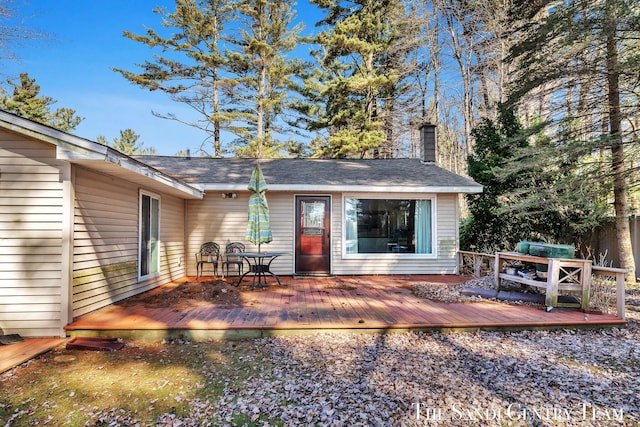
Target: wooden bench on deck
x,y
568,275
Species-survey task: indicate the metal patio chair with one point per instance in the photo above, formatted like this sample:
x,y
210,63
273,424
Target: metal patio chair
x,y
231,257
209,253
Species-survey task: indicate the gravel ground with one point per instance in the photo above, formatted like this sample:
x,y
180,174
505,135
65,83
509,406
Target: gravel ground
x,y
531,378
565,378
527,378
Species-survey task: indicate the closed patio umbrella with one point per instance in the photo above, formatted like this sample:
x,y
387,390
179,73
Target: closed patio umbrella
x,y
258,227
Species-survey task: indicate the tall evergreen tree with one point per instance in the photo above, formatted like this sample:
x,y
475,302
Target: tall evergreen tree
x,y
129,144
238,79
492,224
26,101
360,72
64,119
571,56
398,104
190,70
264,74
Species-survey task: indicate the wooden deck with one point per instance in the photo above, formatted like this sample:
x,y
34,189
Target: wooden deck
x,y
356,304
15,354
307,305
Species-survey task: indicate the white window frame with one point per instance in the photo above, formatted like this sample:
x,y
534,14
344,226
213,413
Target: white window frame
x,y
152,196
391,196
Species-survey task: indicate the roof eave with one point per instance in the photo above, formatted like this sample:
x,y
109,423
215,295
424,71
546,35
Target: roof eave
x,y
465,189
118,161
83,151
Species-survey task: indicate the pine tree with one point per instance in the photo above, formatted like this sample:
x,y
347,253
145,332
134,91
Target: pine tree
x,y
128,144
359,73
190,68
26,101
571,56
64,119
238,79
493,224
263,75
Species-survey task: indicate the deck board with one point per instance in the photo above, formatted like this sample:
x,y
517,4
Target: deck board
x,y
13,355
353,303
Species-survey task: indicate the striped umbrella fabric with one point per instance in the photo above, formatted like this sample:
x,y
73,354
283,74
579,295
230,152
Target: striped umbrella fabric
x,y
258,227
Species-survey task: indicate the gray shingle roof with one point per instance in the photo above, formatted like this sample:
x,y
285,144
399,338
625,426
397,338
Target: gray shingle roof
x,y
280,174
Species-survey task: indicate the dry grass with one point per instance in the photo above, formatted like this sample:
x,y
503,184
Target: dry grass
x,y
135,386
603,289
333,379
275,381
603,294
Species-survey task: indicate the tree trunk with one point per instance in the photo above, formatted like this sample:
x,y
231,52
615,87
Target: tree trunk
x,y
390,149
217,148
435,51
620,203
260,118
462,57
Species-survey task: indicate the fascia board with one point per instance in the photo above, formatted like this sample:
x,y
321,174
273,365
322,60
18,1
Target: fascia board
x,y
75,149
50,135
118,159
348,188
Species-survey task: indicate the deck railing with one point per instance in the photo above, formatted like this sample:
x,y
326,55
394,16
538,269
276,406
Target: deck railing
x,y
609,274
476,263
482,264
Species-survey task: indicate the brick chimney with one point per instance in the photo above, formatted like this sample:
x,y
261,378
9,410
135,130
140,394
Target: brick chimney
x,y
428,142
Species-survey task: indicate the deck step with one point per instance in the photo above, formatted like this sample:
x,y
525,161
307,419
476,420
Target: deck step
x,y
95,344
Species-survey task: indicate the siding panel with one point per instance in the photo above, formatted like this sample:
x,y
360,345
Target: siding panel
x,y
172,253
105,208
223,220
31,206
105,261
35,224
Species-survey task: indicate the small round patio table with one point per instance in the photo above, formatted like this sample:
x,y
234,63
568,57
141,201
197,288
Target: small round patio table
x,y
260,267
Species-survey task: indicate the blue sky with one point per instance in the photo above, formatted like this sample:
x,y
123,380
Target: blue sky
x,y
74,66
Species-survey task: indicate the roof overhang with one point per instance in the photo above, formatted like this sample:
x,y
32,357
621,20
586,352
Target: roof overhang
x,y
95,156
349,188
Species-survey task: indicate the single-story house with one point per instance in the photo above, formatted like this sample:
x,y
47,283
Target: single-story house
x,y
83,226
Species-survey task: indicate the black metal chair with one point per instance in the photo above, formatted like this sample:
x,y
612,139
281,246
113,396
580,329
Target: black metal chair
x,y
209,254
231,257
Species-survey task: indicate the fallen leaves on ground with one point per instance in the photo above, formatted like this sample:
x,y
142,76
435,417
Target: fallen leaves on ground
x,y
565,377
193,293
543,378
451,293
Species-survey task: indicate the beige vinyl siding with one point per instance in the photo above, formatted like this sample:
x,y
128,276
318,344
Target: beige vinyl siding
x,y
105,264
448,231
225,220
31,234
222,220
105,267
446,243
172,240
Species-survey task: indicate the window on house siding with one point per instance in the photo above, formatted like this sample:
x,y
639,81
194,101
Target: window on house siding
x,y
149,235
388,226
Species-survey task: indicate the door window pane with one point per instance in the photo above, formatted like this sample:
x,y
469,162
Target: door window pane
x,y
313,217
